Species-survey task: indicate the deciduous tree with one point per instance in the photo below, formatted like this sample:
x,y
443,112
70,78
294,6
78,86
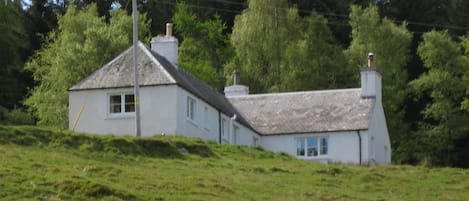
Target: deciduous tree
x,y
205,47
82,44
390,43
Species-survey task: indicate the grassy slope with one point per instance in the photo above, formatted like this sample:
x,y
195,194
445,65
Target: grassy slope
x,y
37,164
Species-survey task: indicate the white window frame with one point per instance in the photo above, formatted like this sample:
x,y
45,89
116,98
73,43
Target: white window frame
x,y
319,145
223,127
191,106
122,112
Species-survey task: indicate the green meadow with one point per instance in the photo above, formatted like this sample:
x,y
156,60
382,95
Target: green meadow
x,y
42,164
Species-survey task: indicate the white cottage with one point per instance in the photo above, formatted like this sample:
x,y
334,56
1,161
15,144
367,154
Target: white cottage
x,y
344,125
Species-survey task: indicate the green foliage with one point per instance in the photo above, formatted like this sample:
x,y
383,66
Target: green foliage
x,y
42,171
313,61
15,116
390,44
82,44
14,44
205,47
443,84
260,36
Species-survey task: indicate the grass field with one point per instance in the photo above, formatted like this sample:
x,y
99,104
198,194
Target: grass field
x,y
40,164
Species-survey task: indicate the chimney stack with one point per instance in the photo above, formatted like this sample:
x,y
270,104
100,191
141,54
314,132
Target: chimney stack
x,y
236,89
370,80
166,45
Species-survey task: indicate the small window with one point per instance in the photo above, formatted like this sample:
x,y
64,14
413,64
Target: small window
x,y
255,141
206,116
190,108
223,128
311,147
121,103
235,134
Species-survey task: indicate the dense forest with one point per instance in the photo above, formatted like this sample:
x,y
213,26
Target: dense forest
x,y
421,48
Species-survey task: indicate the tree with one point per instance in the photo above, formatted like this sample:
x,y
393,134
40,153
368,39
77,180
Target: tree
x,y
445,121
389,42
260,36
205,48
82,44
14,45
314,61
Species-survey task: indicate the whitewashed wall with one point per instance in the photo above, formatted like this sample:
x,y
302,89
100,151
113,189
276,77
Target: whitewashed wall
x,y
343,146
380,147
207,125
163,110
245,136
157,105
204,126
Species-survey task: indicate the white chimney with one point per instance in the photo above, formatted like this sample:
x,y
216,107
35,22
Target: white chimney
x,y
167,45
370,80
236,89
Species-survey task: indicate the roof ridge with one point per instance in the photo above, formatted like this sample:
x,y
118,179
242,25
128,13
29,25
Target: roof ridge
x,y
296,92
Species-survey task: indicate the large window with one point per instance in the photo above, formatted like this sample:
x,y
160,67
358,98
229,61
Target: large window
x,y
190,108
121,103
310,147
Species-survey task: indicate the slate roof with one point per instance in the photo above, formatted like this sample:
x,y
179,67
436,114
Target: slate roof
x,y
154,70
305,112
119,72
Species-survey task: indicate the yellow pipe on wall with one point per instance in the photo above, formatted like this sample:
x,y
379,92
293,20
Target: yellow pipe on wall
x,y
77,118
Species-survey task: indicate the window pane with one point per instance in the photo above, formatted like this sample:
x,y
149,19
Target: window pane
x,y
190,108
312,146
223,127
115,104
300,147
129,103
324,146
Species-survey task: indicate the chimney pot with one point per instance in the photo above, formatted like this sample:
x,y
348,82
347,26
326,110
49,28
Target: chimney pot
x,y
236,79
371,60
169,29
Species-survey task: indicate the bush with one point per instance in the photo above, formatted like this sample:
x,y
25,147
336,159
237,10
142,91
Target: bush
x,y
15,117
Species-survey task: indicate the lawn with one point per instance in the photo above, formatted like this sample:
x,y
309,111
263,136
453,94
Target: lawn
x,y
41,164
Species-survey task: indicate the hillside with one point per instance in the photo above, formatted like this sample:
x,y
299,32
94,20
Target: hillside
x,y
40,164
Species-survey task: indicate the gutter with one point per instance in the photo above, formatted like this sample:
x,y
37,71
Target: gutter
x,y
359,147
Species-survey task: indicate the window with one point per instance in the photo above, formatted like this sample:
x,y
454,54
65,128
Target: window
x,y
255,141
235,134
121,103
206,116
310,147
190,108
223,128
